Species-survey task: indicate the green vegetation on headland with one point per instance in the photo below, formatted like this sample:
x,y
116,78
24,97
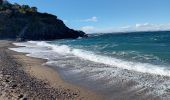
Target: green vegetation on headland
x,y
22,22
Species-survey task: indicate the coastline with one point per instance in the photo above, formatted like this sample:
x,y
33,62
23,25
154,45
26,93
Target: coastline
x,y
47,79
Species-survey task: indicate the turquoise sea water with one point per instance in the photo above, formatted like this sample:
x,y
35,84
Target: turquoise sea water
x,y
144,47
119,63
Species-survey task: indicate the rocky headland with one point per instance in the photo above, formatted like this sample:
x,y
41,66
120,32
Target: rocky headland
x,y
21,22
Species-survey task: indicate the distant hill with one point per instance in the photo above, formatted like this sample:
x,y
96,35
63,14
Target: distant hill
x,y
22,22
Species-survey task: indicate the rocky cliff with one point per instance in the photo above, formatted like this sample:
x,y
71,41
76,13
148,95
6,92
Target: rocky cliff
x,y
25,23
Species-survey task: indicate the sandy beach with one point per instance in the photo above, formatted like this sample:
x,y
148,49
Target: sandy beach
x,y
23,77
84,50
27,78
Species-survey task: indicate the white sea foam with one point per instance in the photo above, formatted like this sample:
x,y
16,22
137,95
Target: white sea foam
x,y
81,67
119,63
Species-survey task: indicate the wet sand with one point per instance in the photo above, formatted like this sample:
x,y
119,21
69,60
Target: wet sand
x,y
23,77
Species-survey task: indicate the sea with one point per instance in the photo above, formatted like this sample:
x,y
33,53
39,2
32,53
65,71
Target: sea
x,y
109,62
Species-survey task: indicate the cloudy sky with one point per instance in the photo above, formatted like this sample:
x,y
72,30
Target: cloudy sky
x,y
94,16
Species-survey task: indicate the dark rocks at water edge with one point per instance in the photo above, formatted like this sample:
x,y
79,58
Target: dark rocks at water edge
x,y
22,22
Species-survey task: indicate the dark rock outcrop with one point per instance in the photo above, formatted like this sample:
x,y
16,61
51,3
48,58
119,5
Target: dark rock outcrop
x,y
25,23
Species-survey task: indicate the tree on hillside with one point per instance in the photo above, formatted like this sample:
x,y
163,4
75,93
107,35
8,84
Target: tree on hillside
x,y
4,5
16,6
33,9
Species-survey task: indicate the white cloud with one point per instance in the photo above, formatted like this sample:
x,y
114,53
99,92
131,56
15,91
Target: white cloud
x,y
88,29
136,27
65,21
92,19
151,27
92,29
125,27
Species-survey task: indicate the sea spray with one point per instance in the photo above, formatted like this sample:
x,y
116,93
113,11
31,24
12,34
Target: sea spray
x,y
99,62
87,55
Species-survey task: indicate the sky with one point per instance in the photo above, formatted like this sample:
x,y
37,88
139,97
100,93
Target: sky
x,y
93,16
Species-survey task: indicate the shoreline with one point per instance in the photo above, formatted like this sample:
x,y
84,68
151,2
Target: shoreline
x,y
34,68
